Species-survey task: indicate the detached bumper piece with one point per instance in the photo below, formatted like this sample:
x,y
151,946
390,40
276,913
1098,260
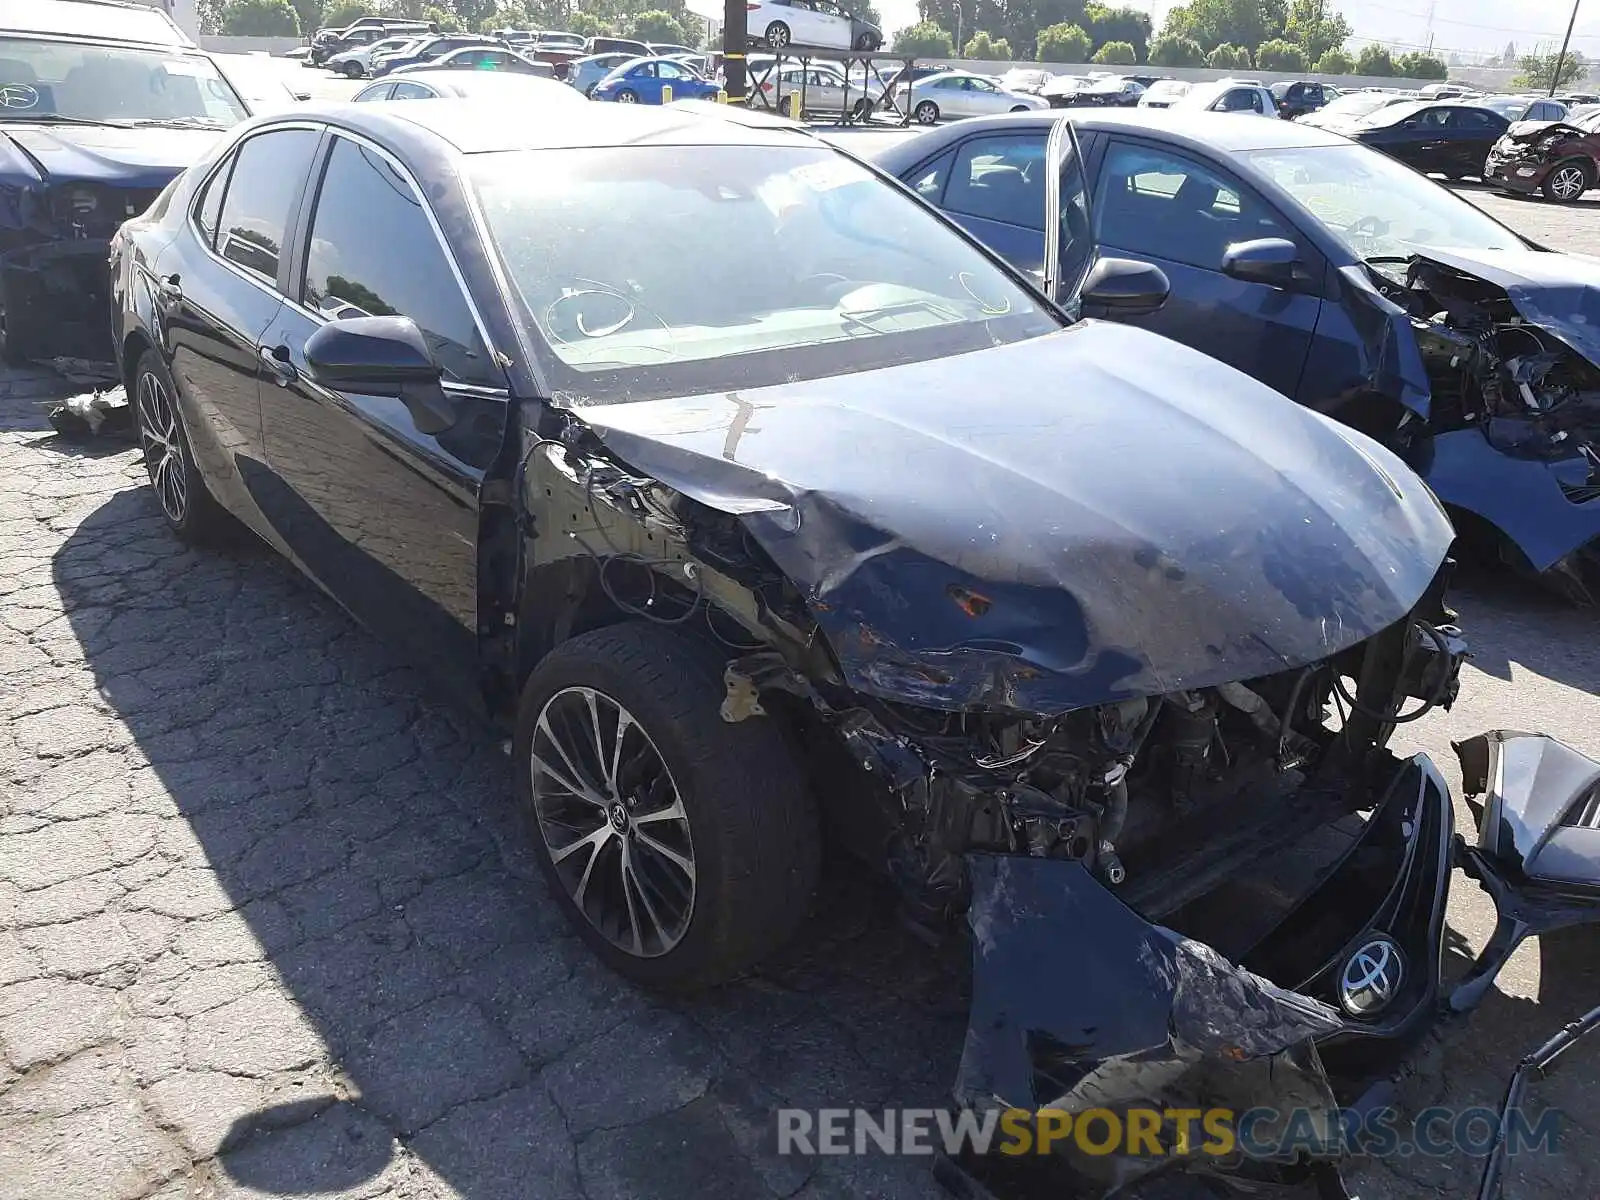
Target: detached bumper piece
x,y
1080,1004
1538,847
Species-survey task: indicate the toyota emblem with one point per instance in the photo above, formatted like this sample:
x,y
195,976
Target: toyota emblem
x,y
1371,977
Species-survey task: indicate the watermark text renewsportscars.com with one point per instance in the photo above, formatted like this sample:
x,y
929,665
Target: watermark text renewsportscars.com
x,y
1262,1133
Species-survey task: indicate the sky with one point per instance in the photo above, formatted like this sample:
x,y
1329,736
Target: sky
x,y
1471,26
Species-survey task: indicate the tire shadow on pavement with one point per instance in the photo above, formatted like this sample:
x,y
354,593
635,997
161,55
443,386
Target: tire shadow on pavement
x,y
349,980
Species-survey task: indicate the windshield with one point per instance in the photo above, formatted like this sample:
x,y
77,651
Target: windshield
x,y
1167,87
647,272
1379,207
112,85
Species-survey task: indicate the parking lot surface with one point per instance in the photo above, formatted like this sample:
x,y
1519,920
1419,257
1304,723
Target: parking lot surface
x,y
268,926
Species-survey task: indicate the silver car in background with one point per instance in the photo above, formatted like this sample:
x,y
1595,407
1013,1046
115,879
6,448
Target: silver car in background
x,y
823,88
963,94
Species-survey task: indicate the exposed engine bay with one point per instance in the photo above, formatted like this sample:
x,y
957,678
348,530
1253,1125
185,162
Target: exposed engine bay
x,y
1533,395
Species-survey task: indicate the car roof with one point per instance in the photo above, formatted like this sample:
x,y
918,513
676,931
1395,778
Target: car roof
x,y
464,78
1194,130
484,127
96,20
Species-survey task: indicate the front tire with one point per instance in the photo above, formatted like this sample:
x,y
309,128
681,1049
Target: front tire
x,y
1019,108
927,113
868,42
1567,183
683,848
862,110
186,504
777,35
353,71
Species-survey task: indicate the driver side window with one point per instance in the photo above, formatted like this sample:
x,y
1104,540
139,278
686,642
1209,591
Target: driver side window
x,y
364,210
1153,203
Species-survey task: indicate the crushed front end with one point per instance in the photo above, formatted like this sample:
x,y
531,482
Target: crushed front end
x,y
1514,420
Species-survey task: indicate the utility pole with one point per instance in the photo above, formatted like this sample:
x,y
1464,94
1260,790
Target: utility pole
x,y
1561,59
735,41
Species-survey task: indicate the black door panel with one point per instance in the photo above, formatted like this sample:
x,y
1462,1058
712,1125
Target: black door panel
x,y
383,515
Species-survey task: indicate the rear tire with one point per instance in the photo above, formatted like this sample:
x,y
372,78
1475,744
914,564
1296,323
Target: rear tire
x,y
927,113
353,71
728,799
1019,108
181,493
1567,183
868,42
627,96
777,35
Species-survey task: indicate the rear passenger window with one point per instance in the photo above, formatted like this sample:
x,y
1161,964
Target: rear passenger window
x,y
365,210
209,209
1000,179
268,172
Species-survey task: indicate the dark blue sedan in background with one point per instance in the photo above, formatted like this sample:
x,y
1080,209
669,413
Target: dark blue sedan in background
x,y
1337,275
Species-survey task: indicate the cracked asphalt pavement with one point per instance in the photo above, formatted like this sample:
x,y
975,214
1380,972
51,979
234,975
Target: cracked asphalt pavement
x,y
268,927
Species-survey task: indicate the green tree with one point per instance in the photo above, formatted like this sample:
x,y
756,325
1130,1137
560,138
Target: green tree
x,y
1280,55
1311,26
1375,60
310,14
344,12
1176,52
444,18
983,48
1063,44
1417,65
585,24
1213,23
656,25
924,40
1119,54
1335,62
1538,70
260,18
1228,57
1104,25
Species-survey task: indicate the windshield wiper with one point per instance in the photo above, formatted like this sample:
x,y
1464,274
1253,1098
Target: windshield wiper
x,y
179,122
58,119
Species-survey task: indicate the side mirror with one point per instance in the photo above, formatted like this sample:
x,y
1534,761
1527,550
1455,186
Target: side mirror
x,y
1121,287
1272,261
382,356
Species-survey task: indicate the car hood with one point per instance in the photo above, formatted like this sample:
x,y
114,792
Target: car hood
x,y
1087,516
1560,293
147,157
1532,131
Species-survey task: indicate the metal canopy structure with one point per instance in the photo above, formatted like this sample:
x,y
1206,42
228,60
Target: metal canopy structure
x,y
856,66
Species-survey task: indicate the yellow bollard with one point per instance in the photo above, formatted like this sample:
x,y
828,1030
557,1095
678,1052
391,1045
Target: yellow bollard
x,y
793,99
666,93
722,96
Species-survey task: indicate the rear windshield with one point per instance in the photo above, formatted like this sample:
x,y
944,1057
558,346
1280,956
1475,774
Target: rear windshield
x,y
654,271
1396,113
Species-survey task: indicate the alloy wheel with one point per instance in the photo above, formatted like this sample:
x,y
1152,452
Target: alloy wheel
x,y
627,98
163,447
777,35
613,821
1568,183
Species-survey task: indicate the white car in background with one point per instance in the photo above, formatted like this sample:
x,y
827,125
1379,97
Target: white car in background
x,y
1027,80
1163,93
963,94
821,88
1229,97
357,63
822,23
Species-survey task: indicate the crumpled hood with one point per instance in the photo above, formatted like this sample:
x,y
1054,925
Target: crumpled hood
x,y
1560,293
147,157
1530,131
1095,514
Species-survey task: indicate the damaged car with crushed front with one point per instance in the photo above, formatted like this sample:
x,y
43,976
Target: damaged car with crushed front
x,y
102,103
1090,643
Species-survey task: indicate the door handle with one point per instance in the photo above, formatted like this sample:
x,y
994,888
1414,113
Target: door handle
x,y
277,361
170,289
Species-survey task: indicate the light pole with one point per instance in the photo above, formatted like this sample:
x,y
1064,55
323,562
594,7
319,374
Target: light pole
x,y
1561,59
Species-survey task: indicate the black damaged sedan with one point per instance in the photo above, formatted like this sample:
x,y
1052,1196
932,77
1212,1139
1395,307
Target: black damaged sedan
x,y
1090,642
